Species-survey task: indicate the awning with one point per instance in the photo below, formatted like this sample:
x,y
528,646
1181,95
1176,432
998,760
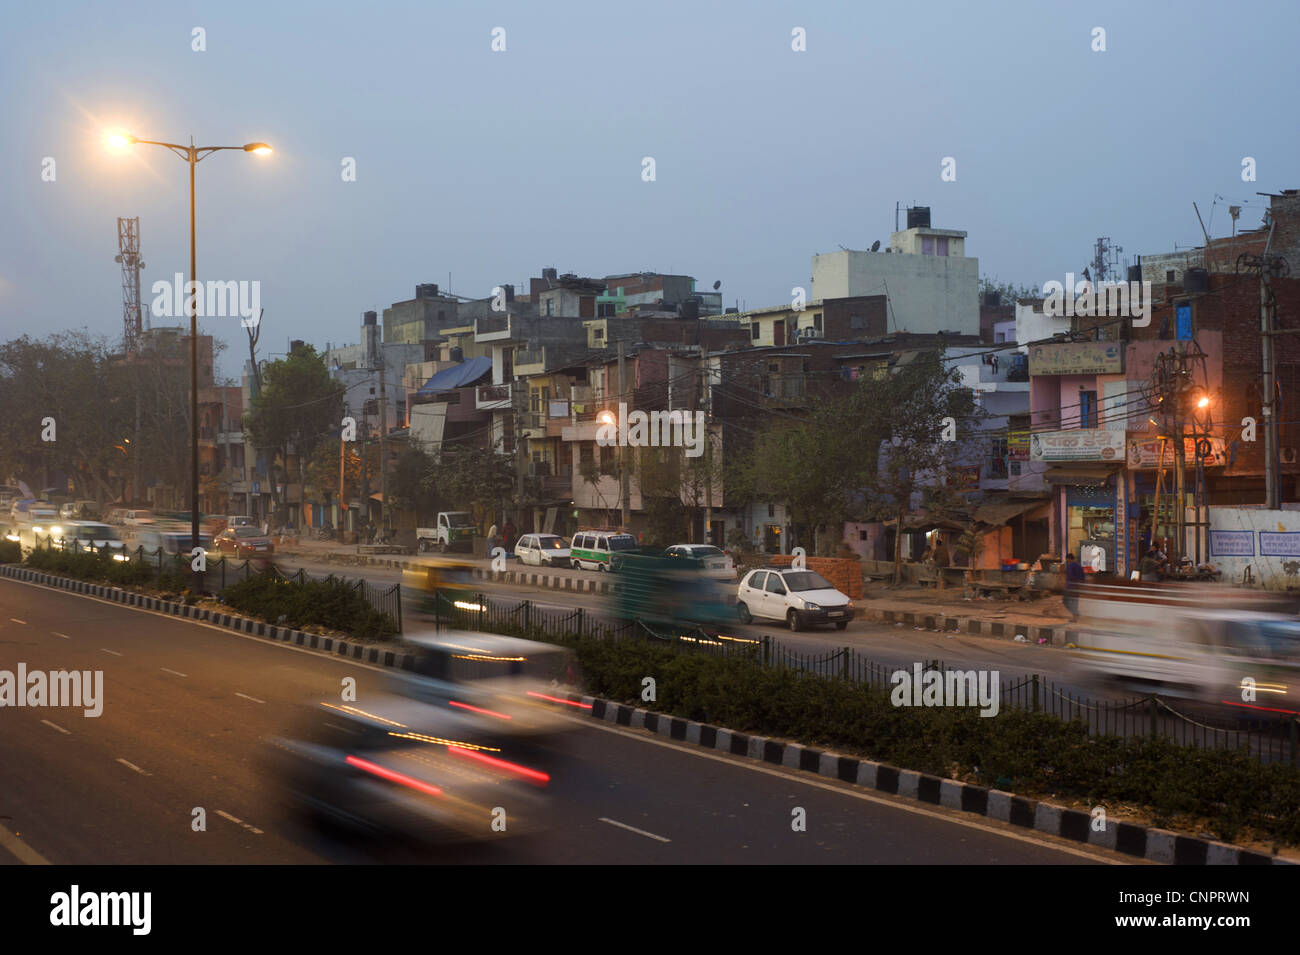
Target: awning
x,y
458,376
1082,477
999,514
925,524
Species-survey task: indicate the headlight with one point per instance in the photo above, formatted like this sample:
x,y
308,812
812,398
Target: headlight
x,y
809,605
36,528
121,557
56,530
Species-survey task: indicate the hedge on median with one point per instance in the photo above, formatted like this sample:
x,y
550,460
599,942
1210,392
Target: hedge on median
x,y
1030,753
102,567
331,602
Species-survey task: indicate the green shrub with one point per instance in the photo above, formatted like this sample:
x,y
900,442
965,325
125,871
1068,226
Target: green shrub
x,y
329,603
11,552
1032,753
102,567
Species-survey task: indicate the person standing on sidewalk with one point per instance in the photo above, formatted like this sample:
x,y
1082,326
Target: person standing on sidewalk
x,y
492,538
941,560
1074,578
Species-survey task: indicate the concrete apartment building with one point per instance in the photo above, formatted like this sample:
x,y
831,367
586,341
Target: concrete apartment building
x,y
931,284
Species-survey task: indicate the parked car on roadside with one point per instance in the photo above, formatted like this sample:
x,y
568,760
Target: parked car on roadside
x,y
716,563
799,597
244,542
543,550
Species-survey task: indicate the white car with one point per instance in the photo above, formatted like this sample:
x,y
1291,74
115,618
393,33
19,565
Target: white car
x,y
799,597
543,550
717,563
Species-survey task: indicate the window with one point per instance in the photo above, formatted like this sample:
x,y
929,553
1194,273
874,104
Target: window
x,y
817,321
598,334
754,330
1087,409
550,307
857,322
998,458
774,584
771,510
1171,276
942,246
606,460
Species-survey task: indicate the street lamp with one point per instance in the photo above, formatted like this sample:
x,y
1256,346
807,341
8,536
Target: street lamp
x,y
193,155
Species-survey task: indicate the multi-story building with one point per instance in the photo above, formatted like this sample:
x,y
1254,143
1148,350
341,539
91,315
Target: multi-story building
x,y
931,285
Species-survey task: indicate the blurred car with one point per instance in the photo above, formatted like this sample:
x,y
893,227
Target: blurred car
x,y
543,550
594,549
137,517
799,597
715,562
463,747
80,511
244,542
85,537
170,540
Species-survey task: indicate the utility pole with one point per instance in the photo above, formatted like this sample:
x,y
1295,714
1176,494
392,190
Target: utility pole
x,y
708,446
1180,464
622,451
383,445
520,403
1272,477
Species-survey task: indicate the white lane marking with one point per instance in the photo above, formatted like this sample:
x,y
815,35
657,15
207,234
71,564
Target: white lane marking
x,y
174,672
57,727
63,635
114,652
790,775
247,697
16,620
239,822
21,850
639,832
133,766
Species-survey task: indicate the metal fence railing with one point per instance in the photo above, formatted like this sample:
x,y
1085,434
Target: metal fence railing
x,y
1178,720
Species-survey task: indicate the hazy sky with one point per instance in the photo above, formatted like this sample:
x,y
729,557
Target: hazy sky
x,y
492,165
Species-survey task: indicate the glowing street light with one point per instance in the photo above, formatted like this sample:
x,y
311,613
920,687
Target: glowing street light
x,y
193,155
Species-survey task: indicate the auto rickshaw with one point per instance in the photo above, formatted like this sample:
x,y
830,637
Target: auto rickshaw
x,y
440,590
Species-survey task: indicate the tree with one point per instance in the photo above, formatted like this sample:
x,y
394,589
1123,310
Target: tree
x,y
1009,291
299,407
929,417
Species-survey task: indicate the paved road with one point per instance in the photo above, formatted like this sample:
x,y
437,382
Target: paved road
x,y
186,706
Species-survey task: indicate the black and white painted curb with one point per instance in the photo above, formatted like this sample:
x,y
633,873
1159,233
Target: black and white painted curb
x,y
1155,845
1055,636
312,641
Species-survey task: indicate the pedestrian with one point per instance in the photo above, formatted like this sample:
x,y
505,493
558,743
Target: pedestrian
x,y
1074,577
941,560
508,535
492,538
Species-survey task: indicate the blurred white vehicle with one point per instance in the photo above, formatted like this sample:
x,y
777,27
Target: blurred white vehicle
x,y
1214,645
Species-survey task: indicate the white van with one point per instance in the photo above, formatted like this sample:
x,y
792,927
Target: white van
x,y
591,550
542,550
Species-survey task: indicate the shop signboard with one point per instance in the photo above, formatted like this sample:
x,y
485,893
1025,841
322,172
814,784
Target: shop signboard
x,y
1018,445
1144,451
1078,444
1077,358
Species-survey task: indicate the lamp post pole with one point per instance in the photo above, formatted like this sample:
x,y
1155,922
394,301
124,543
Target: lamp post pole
x,y
193,155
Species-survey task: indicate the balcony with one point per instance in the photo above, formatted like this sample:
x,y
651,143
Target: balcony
x,y
491,397
494,328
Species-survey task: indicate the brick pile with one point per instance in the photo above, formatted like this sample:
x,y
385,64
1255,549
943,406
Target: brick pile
x,y
843,572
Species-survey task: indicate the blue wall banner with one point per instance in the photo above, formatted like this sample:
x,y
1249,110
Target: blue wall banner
x,y
1279,543
1232,544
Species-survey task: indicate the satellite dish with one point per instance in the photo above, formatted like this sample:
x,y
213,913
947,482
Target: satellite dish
x,y
875,246
717,285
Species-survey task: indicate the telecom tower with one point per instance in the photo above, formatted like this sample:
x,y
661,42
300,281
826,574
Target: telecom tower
x,y
1105,258
128,242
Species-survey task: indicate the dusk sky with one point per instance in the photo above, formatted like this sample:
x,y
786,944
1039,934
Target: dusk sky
x,y
493,165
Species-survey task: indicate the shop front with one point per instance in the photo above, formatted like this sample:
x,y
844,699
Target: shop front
x,y
1090,498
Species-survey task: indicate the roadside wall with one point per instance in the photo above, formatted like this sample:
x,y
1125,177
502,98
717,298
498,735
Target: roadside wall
x,y
1256,546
